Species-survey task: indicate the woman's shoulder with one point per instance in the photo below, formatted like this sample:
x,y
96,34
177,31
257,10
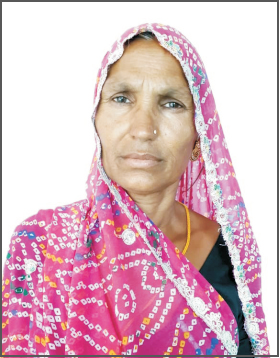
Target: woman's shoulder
x,y
41,221
38,222
29,238
26,254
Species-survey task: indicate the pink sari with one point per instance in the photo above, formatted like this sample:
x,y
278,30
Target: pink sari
x,y
98,277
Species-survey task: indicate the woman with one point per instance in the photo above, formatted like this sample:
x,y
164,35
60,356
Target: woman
x,y
160,258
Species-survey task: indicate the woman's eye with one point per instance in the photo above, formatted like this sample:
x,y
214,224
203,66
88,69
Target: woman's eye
x,y
121,99
173,105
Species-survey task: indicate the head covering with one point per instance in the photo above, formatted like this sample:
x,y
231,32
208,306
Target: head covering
x,y
118,285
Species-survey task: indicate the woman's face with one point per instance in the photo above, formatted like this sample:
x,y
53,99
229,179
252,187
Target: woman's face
x,y
146,90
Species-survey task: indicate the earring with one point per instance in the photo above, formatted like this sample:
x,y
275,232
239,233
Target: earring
x,y
196,151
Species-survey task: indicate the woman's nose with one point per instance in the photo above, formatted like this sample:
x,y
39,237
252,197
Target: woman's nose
x,y
143,123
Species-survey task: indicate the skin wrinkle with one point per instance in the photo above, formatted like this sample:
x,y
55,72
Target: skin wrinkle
x,y
144,75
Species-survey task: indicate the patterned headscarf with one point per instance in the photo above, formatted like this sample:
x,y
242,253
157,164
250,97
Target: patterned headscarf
x,y
113,283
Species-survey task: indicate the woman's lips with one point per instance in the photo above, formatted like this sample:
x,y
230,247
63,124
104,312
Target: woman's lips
x,y
136,160
141,163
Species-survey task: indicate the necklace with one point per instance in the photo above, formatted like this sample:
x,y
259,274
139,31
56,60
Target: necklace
x,y
189,229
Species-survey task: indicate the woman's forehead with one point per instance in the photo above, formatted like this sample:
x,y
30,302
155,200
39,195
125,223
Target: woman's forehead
x,y
146,55
147,61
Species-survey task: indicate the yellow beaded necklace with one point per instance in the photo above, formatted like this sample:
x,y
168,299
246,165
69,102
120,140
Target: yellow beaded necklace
x,y
189,229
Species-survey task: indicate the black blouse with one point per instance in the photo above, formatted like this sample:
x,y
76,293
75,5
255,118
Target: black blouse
x,y
218,271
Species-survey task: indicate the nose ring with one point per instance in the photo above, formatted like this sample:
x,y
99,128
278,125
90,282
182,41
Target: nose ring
x,y
155,131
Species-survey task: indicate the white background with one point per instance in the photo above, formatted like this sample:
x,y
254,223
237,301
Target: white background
x,y
51,54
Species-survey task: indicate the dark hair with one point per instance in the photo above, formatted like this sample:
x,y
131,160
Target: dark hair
x,y
147,35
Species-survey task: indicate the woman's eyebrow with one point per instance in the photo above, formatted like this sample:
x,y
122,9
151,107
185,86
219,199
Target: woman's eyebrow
x,y
173,92
182,91
120,86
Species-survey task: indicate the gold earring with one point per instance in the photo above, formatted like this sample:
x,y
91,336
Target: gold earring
x,y
196,151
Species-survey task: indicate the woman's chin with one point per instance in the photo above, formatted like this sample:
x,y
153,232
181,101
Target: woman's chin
x,y
140,184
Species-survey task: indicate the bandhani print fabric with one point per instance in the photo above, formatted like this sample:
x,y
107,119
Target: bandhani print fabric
x,y
98,277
